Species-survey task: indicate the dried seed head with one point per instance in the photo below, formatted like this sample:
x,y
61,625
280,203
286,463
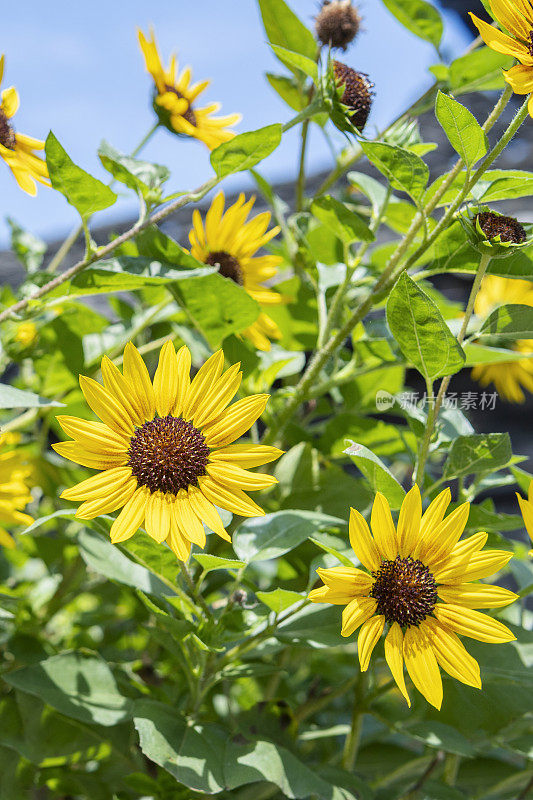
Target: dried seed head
x,y
357,93
405,590
507,228
7,134
337,23
168,454
228,266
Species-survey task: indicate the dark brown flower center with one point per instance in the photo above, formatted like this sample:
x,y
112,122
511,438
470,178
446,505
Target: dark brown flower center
x,y
507,228
228,266
168,454
7,134
405,590
530,44
189,114
357,93
337,23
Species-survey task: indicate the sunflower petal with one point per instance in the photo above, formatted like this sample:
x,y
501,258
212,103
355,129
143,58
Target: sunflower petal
x,y
356,612
368,638
422,666
394,657
383,529
451,653
409,521
131,517
477,595
362,542
473,624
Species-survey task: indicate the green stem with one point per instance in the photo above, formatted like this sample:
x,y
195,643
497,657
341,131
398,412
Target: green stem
x,y
451,768
436,405
390,274
195,594
71,239
300,185
353,739
103,252
423,450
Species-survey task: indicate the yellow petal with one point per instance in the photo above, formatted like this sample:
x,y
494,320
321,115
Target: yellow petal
x,y
105,406
383,529
95,435
206,511
10,101
394,657
520,79
362,542
451,653
157,516
527,513
512,20
230,499
347,579
80,455
500,42
202,382
217,396
356,612
238,478
177,542
188,523
473,624
136,374
166,380
131,517
98,485
422,666
104,505
368,638
120,388
445,536
477,595
480,565
184,379
326,595
434,513
246,455
409,521
235,421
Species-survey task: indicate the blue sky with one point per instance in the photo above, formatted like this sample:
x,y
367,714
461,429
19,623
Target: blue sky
x,y
79,72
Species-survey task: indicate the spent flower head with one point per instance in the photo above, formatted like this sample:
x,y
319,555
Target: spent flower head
x,y
337,23
492,233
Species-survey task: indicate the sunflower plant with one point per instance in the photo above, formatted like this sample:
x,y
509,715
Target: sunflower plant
x,y
265,508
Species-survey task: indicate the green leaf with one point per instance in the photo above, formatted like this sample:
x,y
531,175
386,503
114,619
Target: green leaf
x,y
283,28
405,170
441,737
508,322
85,193
219,306
107,559
478,71
377,474
419,17
332,551
138,175
263,538
77,685
421,332
314,626
207,759
10,397
28,248
297,61
245,150
343,221
280,599
209,562
480,452
127,273
288,90
463,130
481,354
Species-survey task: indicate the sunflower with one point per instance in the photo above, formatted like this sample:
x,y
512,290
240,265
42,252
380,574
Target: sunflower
x,y
409,569
165,449
14,491
174,97
516,16
17,149
508,376
526,507
230,242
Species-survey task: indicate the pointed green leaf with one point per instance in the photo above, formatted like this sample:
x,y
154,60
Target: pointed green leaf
x,y
245,150
463,130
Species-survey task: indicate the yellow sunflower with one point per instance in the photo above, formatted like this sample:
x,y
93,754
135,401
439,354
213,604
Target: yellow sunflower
x,y
174,97
230,242
516,16
526,507
165,449
17,149
508,377
14,491
409,569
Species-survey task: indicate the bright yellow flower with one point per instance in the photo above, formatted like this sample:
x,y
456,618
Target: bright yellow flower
x,y
174,97
165,448
230,242
409,569
526,507
507,376
17,149
26,333
516,16
14,492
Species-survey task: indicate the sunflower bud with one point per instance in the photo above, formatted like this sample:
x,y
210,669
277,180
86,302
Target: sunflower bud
x,y
357,94
337,23
493,233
